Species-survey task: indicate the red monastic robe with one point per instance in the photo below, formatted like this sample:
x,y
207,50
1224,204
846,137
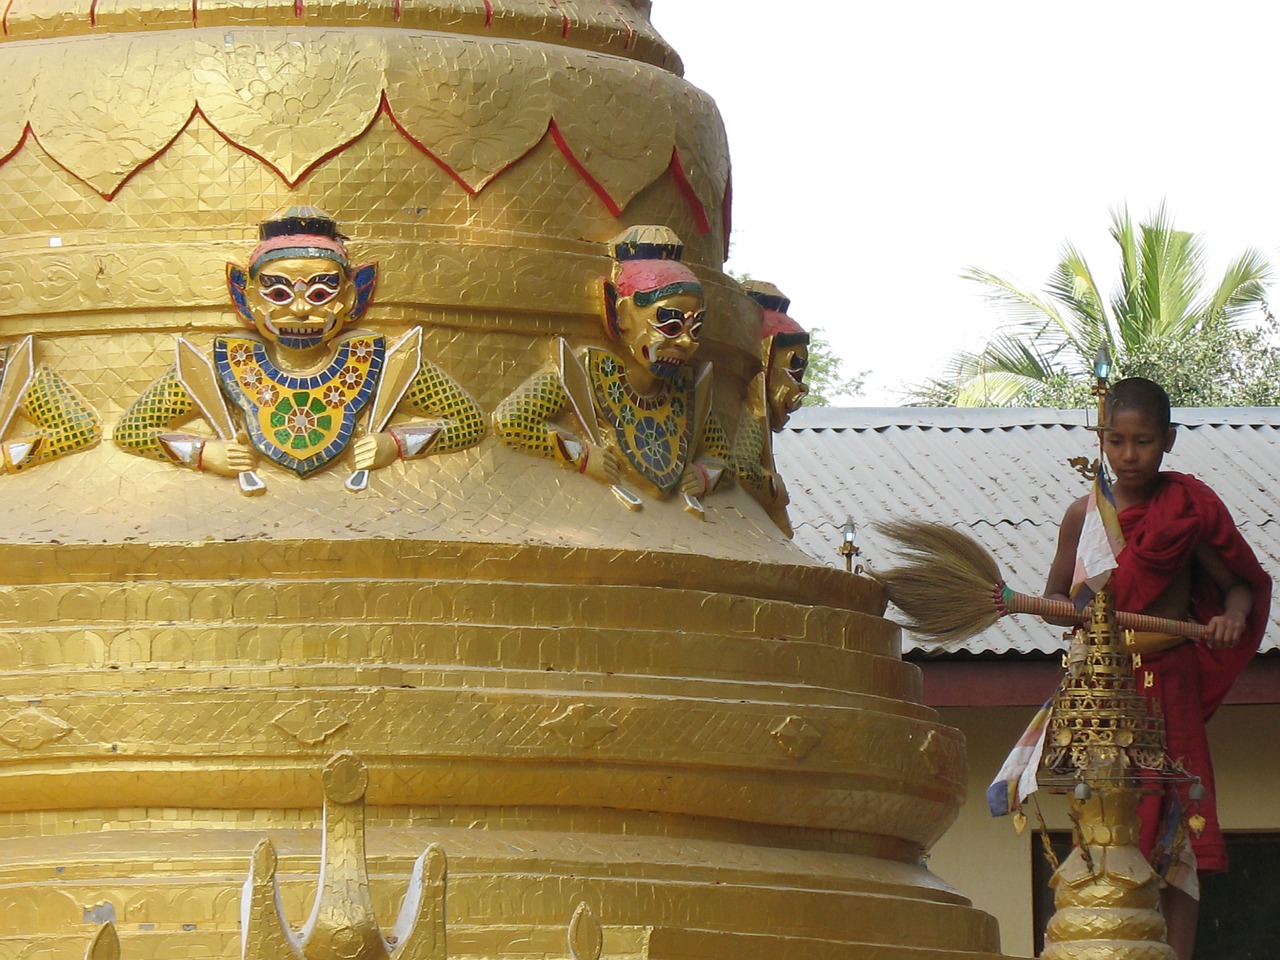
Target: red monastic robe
x,y
1190,680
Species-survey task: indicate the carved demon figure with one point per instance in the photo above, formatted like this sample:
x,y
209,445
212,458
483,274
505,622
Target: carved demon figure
x,y
772,397
301,380
641,411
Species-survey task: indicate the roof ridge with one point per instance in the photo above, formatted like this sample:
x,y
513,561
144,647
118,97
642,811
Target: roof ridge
x,y
990,418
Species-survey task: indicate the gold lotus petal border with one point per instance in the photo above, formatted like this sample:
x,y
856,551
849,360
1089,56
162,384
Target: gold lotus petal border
x,y
74,112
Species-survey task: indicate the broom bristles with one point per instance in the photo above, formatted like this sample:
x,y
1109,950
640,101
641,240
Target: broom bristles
x,y
944,589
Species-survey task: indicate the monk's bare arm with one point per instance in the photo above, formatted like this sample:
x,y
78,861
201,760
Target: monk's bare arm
x,y
1227,629
1058,586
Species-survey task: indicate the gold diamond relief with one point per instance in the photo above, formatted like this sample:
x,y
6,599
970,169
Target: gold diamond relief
x,y
310,723
581,725
796,736
31,729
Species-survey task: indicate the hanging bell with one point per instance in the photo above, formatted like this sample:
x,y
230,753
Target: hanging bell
x,y
1083,791
1197,791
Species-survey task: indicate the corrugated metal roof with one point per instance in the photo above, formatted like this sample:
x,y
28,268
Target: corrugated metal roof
x,y
1003,475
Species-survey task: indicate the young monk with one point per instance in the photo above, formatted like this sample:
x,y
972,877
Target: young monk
x,y
1184,559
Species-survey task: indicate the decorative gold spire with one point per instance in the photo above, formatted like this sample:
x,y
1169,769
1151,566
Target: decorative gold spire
x,y
105,944
586,937
342,925
1099,719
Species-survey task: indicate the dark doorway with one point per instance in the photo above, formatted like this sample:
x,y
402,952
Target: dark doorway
x,y
1240,909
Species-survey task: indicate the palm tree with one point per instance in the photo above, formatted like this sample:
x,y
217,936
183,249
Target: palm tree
x,y
1051,339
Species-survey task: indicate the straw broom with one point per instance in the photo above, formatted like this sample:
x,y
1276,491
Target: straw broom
x,y
950,588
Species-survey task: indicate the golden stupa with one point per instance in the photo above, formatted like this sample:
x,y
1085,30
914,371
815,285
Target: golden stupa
x,y
619,711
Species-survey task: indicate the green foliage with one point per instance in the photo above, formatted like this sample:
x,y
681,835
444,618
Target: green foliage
x,y
825,375
1217,365
1160,322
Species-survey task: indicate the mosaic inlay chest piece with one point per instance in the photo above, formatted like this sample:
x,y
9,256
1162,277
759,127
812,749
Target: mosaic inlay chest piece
x,y
300,422
653,433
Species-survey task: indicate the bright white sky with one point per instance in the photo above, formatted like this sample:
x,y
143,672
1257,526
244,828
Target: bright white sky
x,y
880,148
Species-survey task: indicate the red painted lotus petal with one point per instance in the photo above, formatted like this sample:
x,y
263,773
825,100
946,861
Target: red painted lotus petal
x,y
144,101
476,122
21,67
622,157
309,97
704,150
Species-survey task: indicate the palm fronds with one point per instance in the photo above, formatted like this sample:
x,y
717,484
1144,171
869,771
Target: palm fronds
x,y
1017,305
1010,368
1162,296
1243,288
1172,274
1085,324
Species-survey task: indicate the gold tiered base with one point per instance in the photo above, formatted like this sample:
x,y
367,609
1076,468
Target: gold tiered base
x,y
663,898
715,773
1106,895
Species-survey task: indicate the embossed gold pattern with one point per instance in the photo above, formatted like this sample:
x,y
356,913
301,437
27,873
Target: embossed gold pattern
x,y
293,98
1106,894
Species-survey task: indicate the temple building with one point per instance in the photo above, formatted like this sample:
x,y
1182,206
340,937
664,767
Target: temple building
x,y
1003,476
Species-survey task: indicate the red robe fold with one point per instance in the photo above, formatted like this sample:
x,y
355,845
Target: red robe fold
x,y
1189,681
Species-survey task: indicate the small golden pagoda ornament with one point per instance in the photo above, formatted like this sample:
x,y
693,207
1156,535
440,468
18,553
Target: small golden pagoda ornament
x,y
1106,893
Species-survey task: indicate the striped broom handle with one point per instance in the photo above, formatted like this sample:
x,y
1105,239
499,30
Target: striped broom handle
x,y
1008,601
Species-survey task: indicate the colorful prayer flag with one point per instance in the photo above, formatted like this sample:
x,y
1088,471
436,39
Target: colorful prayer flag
x,y
1101,541
1017,777
1173,858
